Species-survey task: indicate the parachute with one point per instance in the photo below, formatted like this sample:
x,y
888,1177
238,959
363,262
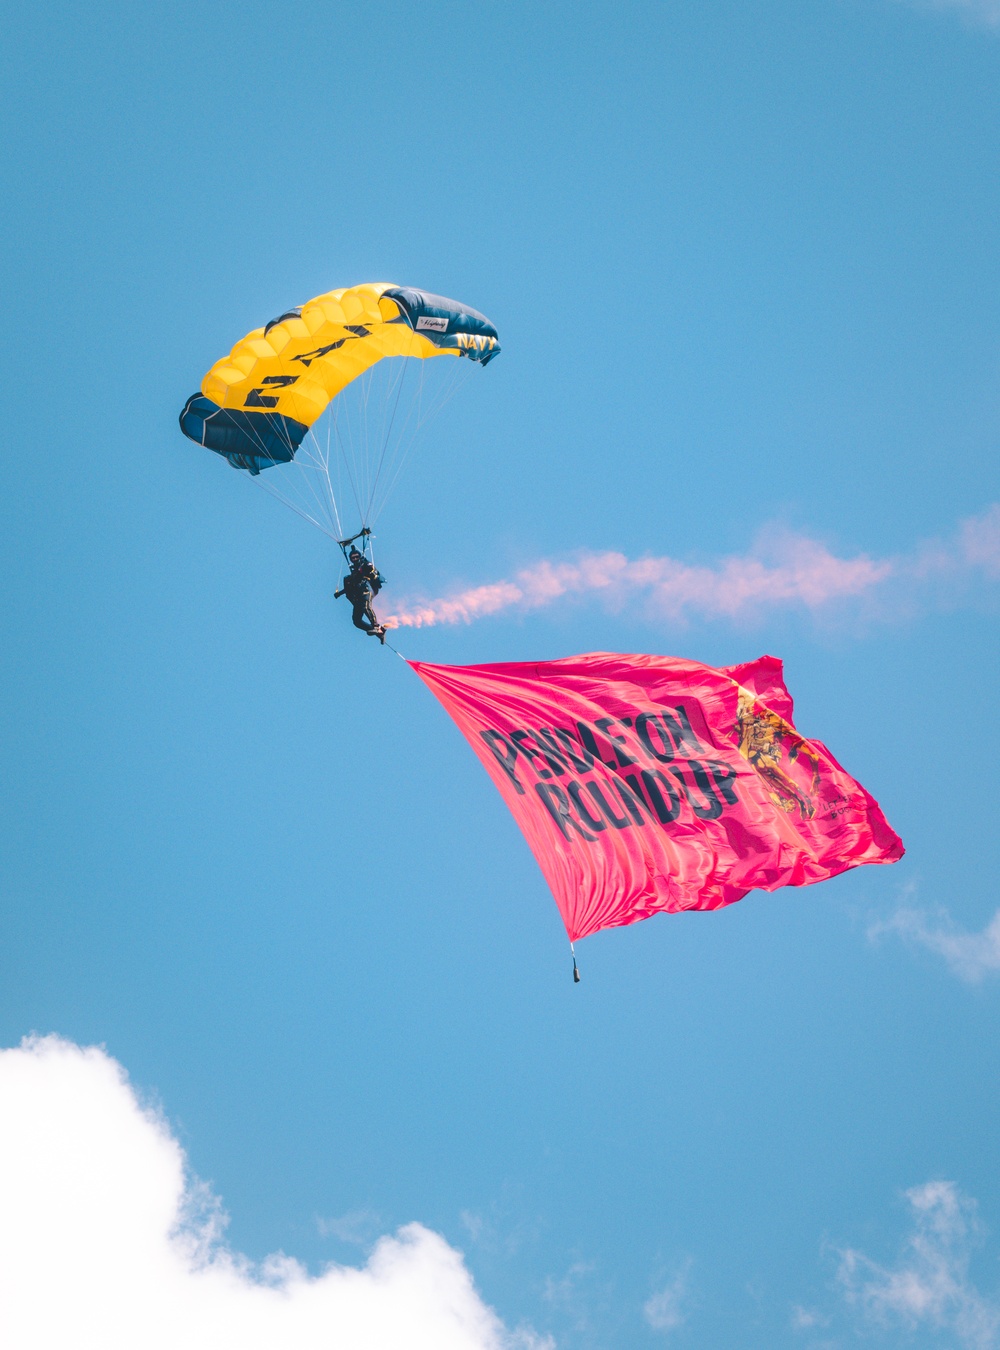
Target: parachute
x,y
257,407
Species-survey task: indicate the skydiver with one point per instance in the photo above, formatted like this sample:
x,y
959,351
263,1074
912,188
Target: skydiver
x,y
362,583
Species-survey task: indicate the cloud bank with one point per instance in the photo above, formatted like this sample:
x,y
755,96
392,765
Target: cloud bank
x,y
665,1310
929,1287
970,956
106,1244
783,570
980,13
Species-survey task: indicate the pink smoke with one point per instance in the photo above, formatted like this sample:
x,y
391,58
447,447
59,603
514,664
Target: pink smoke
x,y
980,537
786,569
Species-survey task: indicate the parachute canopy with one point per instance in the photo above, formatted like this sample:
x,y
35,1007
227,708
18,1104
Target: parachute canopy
x,y
646,784
256,404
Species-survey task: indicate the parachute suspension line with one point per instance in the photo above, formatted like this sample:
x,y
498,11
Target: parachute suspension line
x,y
576,973
327,500
319,508
420,415
360,420
382,431
368,385
303,507
273,491
321,518
406,438
351,477
388,434
333,494
364,534
336,494
357,437
309,464
370,434
361,438
332,427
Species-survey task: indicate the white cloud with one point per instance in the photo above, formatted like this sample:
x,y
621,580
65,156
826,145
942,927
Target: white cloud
x,y
106,1245
582,1297
970,956
982,13
807,1319
980,535
782,570
564,1291
929,1287
359,1228
505,1229
664,1310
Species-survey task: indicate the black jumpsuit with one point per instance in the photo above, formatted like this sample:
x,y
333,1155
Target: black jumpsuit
x,y
359,586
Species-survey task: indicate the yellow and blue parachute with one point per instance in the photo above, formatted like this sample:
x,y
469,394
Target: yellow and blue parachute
x,y
259,404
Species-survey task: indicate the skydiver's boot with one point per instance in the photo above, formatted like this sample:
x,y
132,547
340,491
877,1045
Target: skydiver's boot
x,y
381,633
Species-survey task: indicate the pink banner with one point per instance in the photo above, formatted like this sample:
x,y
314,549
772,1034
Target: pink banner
x,y
648,783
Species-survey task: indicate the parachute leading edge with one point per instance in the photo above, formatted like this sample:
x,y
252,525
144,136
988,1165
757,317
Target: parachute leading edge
x,y
256,404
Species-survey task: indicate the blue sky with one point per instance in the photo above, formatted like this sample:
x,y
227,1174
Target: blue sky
x,y
743,260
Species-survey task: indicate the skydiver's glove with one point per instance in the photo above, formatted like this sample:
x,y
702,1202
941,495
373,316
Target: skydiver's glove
x,y
337,594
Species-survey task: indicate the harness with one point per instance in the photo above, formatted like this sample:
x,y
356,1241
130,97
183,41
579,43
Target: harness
x,y
366,578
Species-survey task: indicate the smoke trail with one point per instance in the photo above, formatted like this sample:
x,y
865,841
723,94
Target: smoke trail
x,y
784,569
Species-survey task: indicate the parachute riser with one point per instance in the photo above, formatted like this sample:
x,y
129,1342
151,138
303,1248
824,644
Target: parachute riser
x,y
363,534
